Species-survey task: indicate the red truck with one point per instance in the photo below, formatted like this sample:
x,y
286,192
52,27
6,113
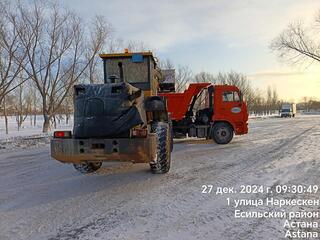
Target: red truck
x,y
208,111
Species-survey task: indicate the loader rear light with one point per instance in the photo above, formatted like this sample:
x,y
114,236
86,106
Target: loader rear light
x,y
62,134
138,132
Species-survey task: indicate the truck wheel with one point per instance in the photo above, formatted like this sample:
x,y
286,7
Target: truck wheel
x,y
163,141
222,133
87,167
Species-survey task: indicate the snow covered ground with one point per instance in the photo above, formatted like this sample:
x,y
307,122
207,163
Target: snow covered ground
x,y
27,128
44,199
28,136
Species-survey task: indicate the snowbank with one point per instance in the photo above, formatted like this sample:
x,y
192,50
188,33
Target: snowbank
x,y
27,129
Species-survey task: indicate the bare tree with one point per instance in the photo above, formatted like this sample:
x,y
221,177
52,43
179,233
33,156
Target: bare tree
x,y
269,99
258,104
166,64
114,45
5,114
204,77
22,104
234,78
11,54
298,44
306,103
136,46
68,107
58,53
275,100
7,109
184,76
98,36
34,99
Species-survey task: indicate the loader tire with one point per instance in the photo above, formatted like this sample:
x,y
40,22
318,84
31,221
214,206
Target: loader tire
x,y
163,148
171,136
87,167
222,133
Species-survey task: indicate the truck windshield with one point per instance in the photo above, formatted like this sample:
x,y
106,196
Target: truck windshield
x,y
231,96
285,110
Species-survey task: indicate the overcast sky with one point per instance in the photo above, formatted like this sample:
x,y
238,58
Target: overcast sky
x,y
215,35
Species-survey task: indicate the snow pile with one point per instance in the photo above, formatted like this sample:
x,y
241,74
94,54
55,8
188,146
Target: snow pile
x,y
27,129
24,142
28,136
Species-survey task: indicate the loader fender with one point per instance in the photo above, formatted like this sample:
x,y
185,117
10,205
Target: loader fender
x,y
155,103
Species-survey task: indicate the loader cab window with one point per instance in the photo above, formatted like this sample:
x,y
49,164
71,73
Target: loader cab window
x,y
230,96
94,108
133,71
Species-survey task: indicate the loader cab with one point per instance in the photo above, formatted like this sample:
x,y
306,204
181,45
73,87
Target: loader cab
x,y
138,69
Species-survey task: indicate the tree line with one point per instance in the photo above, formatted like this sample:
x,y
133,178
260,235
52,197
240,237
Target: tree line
x,y
46,48
258,101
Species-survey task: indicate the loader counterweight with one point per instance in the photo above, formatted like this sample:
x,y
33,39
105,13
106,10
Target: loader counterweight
x,y
139,150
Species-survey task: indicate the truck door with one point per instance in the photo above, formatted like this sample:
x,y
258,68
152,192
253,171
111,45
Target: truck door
x,y
228,106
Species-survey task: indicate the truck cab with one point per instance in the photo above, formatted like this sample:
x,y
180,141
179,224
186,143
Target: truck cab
x,y
230,107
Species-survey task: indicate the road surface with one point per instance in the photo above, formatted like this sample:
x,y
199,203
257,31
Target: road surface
x,y
44,199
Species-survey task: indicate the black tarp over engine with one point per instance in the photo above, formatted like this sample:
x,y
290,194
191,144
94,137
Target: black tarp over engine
x,y
106,110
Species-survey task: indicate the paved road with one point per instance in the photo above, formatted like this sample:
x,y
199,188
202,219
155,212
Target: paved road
x,y
43,199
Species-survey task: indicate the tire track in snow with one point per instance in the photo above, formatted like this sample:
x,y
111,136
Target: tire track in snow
x,y
106,224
